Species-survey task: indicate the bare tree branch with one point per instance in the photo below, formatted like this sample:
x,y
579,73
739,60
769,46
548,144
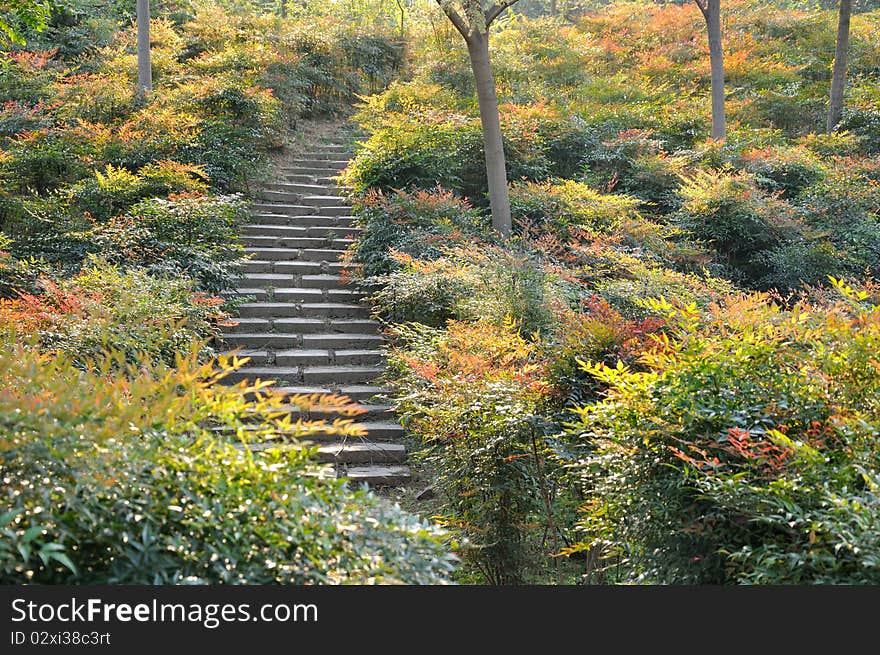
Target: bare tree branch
x,y
456,20
495,10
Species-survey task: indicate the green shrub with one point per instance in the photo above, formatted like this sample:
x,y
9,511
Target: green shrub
x,y
471,394
739,220
194,237
416,224
113,192
746,453
101,308
120,479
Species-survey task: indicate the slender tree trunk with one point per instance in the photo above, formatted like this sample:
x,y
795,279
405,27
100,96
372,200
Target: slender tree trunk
x,y
282,9
716,60
838,73
554,10
145,72
496,168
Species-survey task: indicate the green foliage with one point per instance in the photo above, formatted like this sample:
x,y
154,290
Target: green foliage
x,y
471,395
416,224
121,479
747,452
101,308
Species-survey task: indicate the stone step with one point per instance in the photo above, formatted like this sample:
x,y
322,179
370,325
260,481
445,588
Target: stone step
x,y
341,374
379,417
308,375
290,254
342,211
261,230
286,197
336,232
308,221
274,241
307,340
356,392
341,340
298,294
305,268
282,209
255,293
267,279
333,310
348,452
324,201
299,231
307,357
312,163
302,188
377,475
322,281
331,155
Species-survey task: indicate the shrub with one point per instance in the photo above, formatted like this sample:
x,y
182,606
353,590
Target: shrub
x,y
120,479
113,192
194,237
740,221
471,394
416,224
102,308
747,453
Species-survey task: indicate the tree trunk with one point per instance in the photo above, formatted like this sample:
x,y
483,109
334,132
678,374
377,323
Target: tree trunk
x,y
716,60
838,74
145,73
496,169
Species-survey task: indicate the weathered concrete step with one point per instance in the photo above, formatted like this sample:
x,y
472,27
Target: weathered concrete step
x,y
332,155
286,197
266,230
314,294
326,233
258,294
309,375
362,453
275,241
313,341
333,310
355,392
282,208
323,281
324,201
283,310
341,374
376,416
315,163
259,279
342,211
316,357
289,254
324,325
335,232
348,452
305,269
341,340
377,475
248,325
307,221
293,357
302,188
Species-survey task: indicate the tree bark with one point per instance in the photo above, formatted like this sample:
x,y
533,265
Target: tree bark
x,y
838,73
712,13
496,167
145,72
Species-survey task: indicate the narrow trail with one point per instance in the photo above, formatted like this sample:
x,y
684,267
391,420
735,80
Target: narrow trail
x,y
305,327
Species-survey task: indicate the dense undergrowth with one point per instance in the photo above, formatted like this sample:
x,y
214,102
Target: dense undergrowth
x,y
660,378
121,461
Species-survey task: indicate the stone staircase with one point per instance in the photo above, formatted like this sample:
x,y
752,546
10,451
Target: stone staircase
x,y
303,326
